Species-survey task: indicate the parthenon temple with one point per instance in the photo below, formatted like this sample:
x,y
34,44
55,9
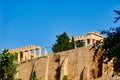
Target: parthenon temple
x,y
90,38
29,52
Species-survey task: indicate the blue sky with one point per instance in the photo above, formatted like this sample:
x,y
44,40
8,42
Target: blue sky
x,y
37,22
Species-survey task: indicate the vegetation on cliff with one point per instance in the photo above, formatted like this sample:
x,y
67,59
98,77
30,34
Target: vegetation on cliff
x,y
58,69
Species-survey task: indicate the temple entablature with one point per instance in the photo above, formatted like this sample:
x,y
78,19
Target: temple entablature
x,y
26,48
90,38
29,52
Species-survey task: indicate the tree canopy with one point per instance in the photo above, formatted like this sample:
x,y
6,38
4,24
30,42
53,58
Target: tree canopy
x,y
109,48
8,66
63,43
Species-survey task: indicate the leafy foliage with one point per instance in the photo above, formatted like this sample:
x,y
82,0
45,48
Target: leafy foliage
x,y
34,76
72,43
109,48
117,18
8,66
62,43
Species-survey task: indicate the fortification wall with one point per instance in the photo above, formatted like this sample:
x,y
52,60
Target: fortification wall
x,y
25,70
76,64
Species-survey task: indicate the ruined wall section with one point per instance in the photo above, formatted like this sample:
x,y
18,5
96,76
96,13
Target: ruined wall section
x,y
25,70
72,67
52,67
72,64
85,64
41,67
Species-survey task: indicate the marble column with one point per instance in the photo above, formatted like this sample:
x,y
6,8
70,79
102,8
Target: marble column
x,y
29,57
18,57
39,52
75,45
34,52
91,42
25,53
45,52
23,56
86,42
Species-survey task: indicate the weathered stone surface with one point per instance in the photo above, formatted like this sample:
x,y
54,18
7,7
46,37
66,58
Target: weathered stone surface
x,y
79,65
64,68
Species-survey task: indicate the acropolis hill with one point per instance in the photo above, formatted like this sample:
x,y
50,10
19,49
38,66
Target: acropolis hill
x,y
29,52
75,64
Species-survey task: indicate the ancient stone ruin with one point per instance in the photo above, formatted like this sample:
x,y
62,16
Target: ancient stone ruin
x,y
75,64
90,38
29,52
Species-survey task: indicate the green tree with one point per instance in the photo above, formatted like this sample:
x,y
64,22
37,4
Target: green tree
x,y
109,48
72,43
8,66
79,43
62,43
